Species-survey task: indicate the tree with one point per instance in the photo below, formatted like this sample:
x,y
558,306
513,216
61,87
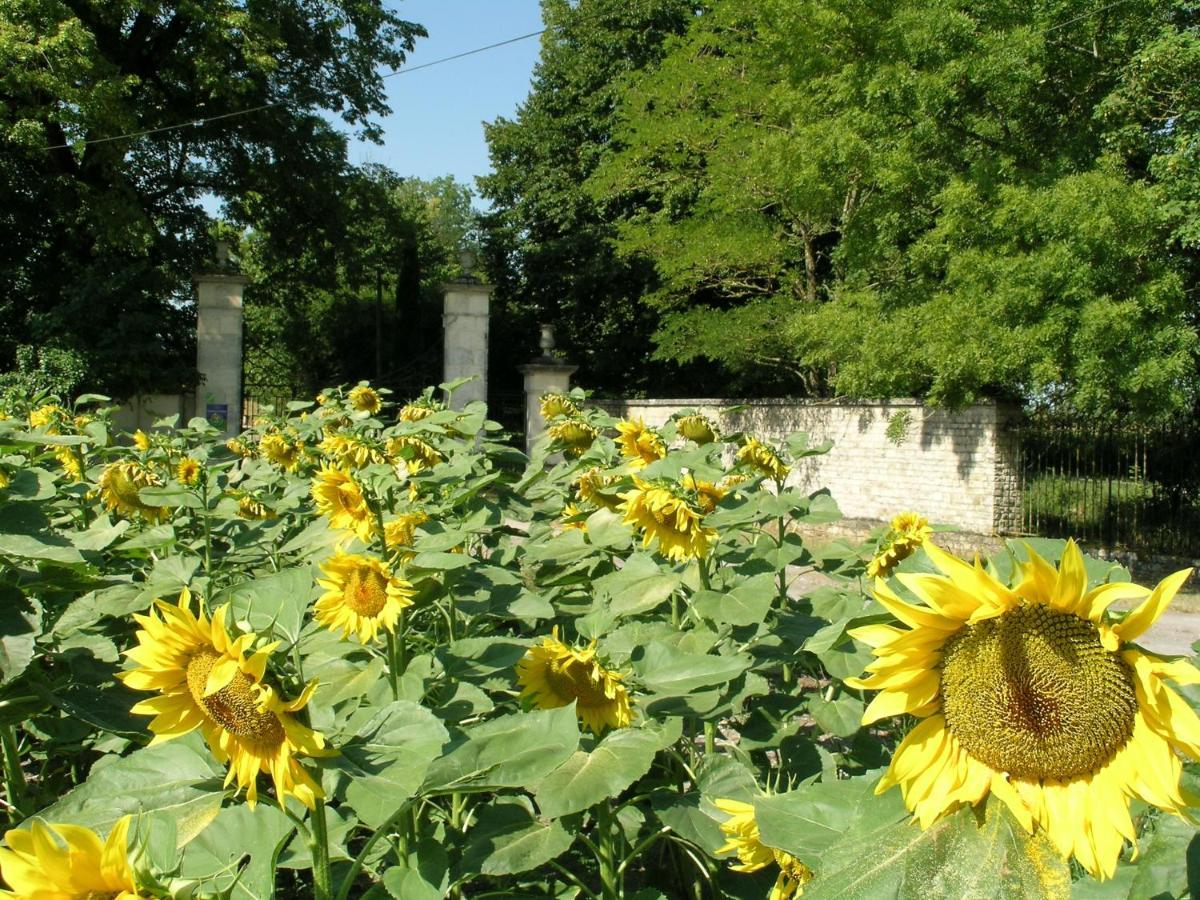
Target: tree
x,y
546,239
367,302
99,236
943,199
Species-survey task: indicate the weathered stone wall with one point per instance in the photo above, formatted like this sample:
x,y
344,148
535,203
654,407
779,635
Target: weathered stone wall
x,y
956,467
465,343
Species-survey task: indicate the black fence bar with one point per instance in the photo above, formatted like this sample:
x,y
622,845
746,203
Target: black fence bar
x,y
1118,486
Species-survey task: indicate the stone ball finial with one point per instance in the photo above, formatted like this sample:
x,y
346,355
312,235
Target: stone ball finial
x,y
546,341
467,260
223,251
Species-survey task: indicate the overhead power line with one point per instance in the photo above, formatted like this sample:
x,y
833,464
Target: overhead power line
x,y
204,120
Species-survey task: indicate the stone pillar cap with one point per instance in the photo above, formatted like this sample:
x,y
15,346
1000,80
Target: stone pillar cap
x,y
548,364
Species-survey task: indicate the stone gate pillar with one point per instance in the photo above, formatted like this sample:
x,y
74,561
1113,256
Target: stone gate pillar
x,y
219,345
465,337
546,374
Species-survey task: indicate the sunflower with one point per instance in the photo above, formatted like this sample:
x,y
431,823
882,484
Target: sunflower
x,y
5,479
279,450
696,428
639,443
238,447
205,680
708,494
361,596
757,454
670,520
141,440
365,399
575,435
50,417
187,471
418,454
1031,693
417,410
339,497
554,405
250,507
907,532
68,862
71,462
591,487
119,486
346,450
574,517
552,675
742,838
401,531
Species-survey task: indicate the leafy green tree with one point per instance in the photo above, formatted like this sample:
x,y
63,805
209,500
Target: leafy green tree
x,y
944,199
547,240
99,236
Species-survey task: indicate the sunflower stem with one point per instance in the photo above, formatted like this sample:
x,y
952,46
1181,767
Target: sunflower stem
x,y
319,844
356,866
14,778
207,527
710,737
393,655
606,856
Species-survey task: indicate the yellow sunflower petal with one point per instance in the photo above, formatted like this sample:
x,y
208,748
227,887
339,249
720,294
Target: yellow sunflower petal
x,y
1137,622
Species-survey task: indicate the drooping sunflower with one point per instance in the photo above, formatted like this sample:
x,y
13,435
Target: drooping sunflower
x,y
365,399
278,449
1034,694
708,494
574,518
206,680
401,531
574,435
361,596
51,417
640,444
417,410
554,405
742,838
141,440
417,453
761,457
349,451
68,862
696,428
71,461
668,519
238,447
907,532
5,479
339,497
187,471
253,509
592,487
552,674
119,486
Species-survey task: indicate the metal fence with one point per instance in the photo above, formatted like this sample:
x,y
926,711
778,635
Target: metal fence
x,y
1117,486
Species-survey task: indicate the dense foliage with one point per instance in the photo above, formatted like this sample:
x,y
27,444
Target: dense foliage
x,y
99,237
595,674
950,200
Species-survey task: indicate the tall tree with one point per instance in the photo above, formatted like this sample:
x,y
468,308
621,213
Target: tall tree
x,y
547,240
947,199
102,221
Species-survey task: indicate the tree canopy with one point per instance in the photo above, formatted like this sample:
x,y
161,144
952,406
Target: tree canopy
x,y
944,199
99,236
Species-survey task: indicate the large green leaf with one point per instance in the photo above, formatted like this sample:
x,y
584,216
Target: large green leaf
x,y
841,716
213,858
45,546
272,604
669,671
179,779
746,604
637,587
391,753
620,759
509,751
506,840
20,625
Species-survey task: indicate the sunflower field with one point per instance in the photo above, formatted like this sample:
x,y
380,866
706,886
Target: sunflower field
x,y
368,649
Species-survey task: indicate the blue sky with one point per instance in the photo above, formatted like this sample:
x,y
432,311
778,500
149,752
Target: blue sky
x,y
436,126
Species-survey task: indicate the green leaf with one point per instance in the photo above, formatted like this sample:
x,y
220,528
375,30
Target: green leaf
x,y
1163,868
48,547
746,604
509,751
637,587
32,484
170,495
841,716
605,529
435,561
20,625
822,510
179,779
276,603
100,534
620,759
392,752
670,671
236,833
506,840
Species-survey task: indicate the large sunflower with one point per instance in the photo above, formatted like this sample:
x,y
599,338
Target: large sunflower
x,y
667,519
68,862
742,838
1031,693
339,497
639,443
575,436
758,455
552,674
284,453
119,486
554,405
365,399
205,680
361,596
696,428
